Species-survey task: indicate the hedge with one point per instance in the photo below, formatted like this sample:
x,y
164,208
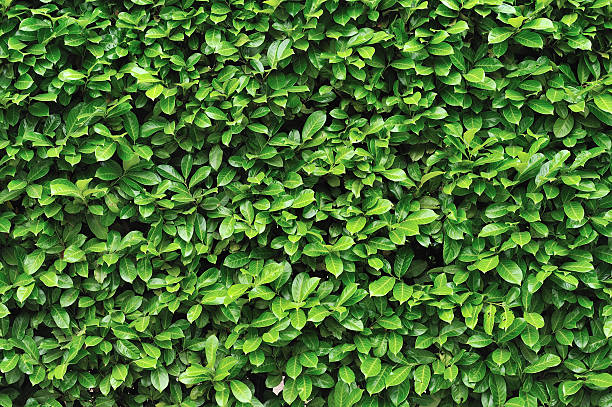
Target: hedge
x,y
364,203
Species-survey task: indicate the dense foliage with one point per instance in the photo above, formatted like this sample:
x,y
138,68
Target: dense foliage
x,y
380,202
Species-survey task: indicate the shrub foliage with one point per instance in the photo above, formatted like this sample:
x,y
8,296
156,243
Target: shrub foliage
x,y
379,202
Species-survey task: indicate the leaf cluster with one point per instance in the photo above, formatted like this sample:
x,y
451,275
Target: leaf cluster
x,y
369,203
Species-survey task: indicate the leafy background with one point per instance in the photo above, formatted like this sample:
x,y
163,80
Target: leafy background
x,y
387,203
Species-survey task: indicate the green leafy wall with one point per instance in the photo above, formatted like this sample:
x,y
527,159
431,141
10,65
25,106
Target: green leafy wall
x,y
384,202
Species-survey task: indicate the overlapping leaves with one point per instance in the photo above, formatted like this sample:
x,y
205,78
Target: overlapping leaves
x,y
372,203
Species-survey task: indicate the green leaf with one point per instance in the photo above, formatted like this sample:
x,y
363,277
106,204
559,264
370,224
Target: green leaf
x,y
210,346
497,385
604,102
395,343
564,337
574,210
160,379
346,374
510,271
33,24
563,127
60,317
109,171
39,109
529,39
313,124
521,238
194,374
293,367
487,264
24,292
215,157
541,106
278,51
4,311
382,206
402,292
227,227
305,198
344,243
225,176
154,91
127,270
370,367
395,174
24,82
271,272
290,391
63,187
251,345
530,336
392,322
408,228
458,27
376,384
241,391
534,319
167,104
355,225
440,49
512,114
544,24
476,75
422,376
33,261
304,387
49,278
570,387
515,329
315,249
499,34
226,49
493,229
603,380
422,217
194,312
544,362
131,125
215,113
199,175
106,151
382,286
334,264
398,376
236,260
479,341
70,75
500,356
